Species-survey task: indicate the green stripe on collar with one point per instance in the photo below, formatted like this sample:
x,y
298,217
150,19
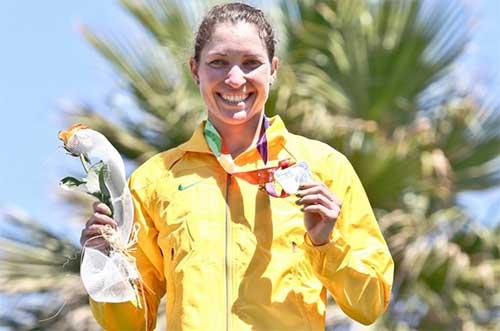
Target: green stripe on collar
x,y
213,138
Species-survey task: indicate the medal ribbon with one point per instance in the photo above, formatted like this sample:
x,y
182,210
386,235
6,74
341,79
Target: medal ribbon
x,y
263,177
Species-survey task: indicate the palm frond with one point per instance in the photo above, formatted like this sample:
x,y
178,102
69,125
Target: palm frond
x,y
43,267
444,260
382,56
468,134
33,258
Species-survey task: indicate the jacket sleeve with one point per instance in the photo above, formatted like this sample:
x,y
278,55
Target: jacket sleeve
x,y
356,265
128,316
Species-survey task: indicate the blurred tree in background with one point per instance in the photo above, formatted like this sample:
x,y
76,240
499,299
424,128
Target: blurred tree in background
x,y
372,79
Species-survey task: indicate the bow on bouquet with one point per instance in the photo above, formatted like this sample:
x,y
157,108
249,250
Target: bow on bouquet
x,y
113,277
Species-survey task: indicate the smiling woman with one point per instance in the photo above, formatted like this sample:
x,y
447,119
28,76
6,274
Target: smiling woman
x,y
246,226
234,72
234,69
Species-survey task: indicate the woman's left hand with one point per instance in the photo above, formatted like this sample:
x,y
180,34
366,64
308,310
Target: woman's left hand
x,y
321,210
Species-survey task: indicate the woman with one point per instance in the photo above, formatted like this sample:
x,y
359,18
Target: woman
x,y
229,249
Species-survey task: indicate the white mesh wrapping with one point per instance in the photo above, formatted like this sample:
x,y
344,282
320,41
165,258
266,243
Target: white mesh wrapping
x,y
106,278
109,278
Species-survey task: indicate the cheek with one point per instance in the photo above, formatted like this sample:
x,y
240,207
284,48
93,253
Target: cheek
x,y
261,78
209,78
207,88
262,86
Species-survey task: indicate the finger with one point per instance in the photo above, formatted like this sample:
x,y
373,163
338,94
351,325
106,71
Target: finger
x,y
95,242
309,184
318,188
101,207
96,229
98,218
93,235
88,234
327,214
313,199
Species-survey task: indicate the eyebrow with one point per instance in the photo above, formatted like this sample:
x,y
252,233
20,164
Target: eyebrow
x,y
226,54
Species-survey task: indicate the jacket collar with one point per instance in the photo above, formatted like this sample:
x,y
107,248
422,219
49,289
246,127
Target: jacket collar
x,y
276,137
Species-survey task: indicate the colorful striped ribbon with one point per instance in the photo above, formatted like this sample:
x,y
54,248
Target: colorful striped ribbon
x,y
263,177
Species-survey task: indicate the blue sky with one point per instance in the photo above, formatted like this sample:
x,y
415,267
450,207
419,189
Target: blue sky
x,y
44,61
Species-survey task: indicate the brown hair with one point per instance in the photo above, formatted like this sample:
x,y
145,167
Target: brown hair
x,y
234,13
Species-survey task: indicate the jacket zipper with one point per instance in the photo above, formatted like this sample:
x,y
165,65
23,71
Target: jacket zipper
x,y
227,256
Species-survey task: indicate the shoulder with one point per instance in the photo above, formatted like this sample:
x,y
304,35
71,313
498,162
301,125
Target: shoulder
x,y
326,163
311,149
155,168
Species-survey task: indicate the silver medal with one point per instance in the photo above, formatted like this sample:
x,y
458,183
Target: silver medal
x,y
292,177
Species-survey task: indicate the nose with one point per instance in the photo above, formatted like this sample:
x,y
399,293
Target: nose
x,y
235,77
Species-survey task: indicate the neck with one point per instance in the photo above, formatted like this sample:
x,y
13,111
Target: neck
x,y
237,138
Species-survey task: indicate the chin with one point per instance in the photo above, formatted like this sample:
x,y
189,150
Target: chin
x,y
233,116
238,117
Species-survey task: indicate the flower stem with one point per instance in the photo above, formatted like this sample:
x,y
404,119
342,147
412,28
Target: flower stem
x,y
84,163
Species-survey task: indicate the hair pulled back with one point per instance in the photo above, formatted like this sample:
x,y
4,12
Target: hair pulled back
x,y
234,13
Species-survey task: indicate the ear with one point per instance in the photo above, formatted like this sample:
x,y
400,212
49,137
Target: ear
x,y
275,64
193,66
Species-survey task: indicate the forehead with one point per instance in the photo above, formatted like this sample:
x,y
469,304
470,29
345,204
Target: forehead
x,y
235,38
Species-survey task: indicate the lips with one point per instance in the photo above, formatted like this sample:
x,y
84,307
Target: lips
x,y
234,99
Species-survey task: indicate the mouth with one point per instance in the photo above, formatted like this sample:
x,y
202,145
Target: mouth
x,y
234,99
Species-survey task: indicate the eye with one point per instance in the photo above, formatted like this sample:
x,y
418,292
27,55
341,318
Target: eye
x,y
252,63
217,63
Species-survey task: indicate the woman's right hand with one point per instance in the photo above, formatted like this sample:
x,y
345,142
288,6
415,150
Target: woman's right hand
x,y
92,233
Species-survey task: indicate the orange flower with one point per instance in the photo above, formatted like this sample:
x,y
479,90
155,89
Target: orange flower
x,y
66,134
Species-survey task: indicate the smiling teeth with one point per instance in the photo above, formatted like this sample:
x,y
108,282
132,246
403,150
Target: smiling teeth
x,y
234,98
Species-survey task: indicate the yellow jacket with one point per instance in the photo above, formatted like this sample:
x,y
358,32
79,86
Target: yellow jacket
x,y
230,257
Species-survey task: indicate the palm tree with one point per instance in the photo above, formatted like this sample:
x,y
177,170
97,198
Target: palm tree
x,y
372,79
379,72
38,261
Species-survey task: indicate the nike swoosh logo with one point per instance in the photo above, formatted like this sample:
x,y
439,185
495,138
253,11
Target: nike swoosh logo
x,y
185,187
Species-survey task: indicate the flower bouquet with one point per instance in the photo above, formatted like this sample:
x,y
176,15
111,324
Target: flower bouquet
x,y
111,277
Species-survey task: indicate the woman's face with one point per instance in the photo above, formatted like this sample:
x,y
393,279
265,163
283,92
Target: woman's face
x,y
234,73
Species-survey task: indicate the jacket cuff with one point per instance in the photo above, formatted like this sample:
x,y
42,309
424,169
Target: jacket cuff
x,y
328,257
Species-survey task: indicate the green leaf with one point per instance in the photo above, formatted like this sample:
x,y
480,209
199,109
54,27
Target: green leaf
x,y
102,172
72,181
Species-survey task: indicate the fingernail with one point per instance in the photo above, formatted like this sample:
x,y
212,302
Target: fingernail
x,y
297,201
302,209
298,194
